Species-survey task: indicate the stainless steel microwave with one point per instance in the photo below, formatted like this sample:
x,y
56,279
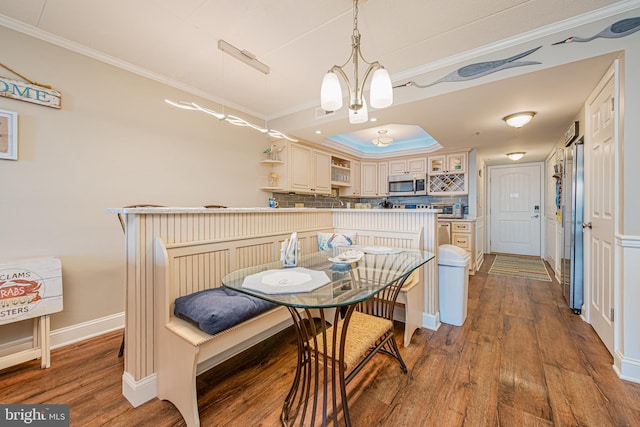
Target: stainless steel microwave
x,y
408,185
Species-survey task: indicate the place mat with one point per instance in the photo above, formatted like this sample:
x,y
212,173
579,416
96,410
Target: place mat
x,y
520,266
286,281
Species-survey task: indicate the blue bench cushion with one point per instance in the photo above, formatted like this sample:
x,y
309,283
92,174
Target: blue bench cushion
x,y
217,309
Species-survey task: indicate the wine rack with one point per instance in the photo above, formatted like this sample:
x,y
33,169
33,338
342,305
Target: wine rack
x,y
450,184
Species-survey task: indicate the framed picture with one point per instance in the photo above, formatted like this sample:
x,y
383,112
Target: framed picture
x,y
8,135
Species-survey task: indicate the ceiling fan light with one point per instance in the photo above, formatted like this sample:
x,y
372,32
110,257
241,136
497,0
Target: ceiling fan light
x,y
516,155
518,120
381,90
330,92
359,116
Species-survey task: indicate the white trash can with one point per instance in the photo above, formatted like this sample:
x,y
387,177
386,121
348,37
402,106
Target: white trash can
x,y
453,284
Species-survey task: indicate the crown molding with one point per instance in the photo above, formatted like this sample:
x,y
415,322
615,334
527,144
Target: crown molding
x,y
37,33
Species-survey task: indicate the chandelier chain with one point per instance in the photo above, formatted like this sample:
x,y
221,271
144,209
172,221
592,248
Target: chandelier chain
x,y
355,18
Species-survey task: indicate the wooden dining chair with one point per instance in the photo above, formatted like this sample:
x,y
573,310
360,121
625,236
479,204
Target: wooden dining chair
x,y
124,230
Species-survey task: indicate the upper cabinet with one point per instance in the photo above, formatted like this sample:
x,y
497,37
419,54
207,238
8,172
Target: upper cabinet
x,y
448,174
309,170
374,179
383,179
408,166
448,163
369,179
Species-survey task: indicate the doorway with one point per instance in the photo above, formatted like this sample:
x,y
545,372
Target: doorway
x,y
515,209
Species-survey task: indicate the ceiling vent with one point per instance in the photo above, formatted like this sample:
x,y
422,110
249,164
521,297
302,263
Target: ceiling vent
x,y
321,113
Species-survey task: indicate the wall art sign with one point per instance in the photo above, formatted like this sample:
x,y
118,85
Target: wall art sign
x,y
8,135
30,288
572,133
29,92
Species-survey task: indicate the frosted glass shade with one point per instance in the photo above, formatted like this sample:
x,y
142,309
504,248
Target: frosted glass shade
x,y
516,156
381,90
330,92
519,119
359,116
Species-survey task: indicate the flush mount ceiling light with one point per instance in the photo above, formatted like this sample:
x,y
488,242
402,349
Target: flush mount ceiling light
x,y
518,120
381,92
517,155
382,140
244,56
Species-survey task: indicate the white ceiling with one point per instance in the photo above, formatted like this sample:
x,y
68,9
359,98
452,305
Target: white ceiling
x,y
176,42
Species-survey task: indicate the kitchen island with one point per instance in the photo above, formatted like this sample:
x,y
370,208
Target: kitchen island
x,y
176,225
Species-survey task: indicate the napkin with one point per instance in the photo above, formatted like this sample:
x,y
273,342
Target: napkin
x,y
288,250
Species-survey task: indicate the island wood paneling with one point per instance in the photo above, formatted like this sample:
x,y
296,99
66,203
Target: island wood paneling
x,y
401,220
176,225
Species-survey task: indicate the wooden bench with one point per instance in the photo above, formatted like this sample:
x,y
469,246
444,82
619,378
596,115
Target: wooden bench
x,y
183,350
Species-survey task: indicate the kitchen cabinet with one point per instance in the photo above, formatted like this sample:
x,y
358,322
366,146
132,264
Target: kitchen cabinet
x,y
448,163
375,179
408,166
463,236
309,170
369,179
383,179
448,174
356,183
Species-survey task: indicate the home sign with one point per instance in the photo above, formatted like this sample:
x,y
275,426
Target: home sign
x,y
28,92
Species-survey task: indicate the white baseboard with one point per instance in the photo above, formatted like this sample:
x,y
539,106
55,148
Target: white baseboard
x,y
138,392
70,334
431,321
626,368
86,330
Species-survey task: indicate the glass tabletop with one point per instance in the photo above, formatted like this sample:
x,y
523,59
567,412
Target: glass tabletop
x,y
329,278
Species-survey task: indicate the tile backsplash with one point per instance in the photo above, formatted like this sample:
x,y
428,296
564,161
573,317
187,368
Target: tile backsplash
x,y
289,200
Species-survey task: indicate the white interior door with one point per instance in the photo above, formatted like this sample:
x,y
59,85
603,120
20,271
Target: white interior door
x,y
600,203
515,209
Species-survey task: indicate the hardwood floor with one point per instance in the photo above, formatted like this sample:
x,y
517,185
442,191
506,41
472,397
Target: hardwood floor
x,y
522,358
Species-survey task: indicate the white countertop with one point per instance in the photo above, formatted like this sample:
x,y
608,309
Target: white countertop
x,y
456,220
182,210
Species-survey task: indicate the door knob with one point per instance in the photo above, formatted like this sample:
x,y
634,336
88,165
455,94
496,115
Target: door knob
x,y
535,216
586,225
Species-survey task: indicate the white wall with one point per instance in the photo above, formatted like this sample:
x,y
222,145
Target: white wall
x,y
114,142
627,294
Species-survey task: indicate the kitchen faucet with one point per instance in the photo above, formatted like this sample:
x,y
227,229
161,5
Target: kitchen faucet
x,y
336,199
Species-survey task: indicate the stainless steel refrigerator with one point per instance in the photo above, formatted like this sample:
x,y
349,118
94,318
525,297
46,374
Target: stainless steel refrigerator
x,y
572,218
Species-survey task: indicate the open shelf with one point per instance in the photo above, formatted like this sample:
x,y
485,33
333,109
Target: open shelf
x,y
271,162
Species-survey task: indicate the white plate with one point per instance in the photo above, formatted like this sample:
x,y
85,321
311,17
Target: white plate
x,y
380,250
347,260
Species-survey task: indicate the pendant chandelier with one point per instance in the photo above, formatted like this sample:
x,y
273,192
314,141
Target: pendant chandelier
x,y
381,91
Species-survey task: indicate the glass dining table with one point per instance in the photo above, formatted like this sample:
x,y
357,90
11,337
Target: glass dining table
x,y
342,302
